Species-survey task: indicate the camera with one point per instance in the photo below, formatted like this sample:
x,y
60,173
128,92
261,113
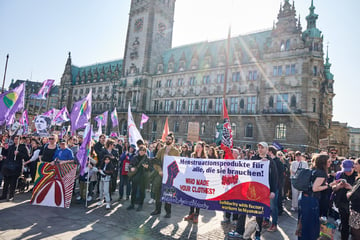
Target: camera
x,y
343,181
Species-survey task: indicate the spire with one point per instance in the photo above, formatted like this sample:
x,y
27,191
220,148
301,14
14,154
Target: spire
x,y
68,62
311,30
327,66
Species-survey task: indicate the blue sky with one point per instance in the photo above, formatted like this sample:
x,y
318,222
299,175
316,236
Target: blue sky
x,y
39,34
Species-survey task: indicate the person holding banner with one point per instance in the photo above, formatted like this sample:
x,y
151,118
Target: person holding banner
x,y
169,150
273,182
198,153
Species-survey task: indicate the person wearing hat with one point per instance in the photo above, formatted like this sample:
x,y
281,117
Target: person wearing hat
x,y
63,154
125,160
273,182
295,166
346,175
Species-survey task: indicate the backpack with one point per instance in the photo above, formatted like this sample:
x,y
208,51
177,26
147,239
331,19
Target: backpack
x,y
302,179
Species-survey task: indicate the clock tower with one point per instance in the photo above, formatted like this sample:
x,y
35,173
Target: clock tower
x,y
149,34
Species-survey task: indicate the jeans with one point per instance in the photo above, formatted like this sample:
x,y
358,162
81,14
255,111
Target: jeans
x,y
274,208
124,181
309,218
104,190
295,197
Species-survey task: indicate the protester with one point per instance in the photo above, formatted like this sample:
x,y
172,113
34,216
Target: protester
x,y
106,170
199,153
12,166
63,154
354,198
84,181
295,166
169,150
48,150
125,159
110,151
34,159
137,167
347,175
309,213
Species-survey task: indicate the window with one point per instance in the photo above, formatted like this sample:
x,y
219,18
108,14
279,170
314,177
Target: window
x,y
178,106
81,91
315,72
234,104
293,101
233,129
176,126
204,105
191,105
93,90
287,45
280,131
158,84
236,76
293,69
277,71
242,105
282,46
249,130
154,126
206,79
202,129
107,89
314,105
75,92
180,82
251,104
218,105
271,101
220,78
87,90
287,70
156,105
100,90
167,105
192,81
168,83
282,102
252,75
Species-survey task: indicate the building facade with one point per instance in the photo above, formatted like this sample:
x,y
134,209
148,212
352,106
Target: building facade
x,y
339,138
279,88
354,142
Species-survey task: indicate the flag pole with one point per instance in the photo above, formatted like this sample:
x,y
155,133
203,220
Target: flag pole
x,y
3,84
227,53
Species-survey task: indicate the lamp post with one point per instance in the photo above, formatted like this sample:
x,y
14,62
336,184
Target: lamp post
x,y
7,59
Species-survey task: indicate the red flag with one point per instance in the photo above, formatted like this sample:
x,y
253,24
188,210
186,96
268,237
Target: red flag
x,y
166,130
227,139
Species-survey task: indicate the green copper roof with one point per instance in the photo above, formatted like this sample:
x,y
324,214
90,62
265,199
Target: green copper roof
x,y
98,67
311,30
327,66
244,43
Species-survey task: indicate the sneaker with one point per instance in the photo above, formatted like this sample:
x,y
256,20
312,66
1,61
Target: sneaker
x,y
273,228
151,201
89,198
293,209
190,217
130,207
257,238
195,219
78,198
100,203
108,206
323,219
234,234
338,222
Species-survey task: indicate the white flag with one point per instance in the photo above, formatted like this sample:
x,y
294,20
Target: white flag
x,y
133,132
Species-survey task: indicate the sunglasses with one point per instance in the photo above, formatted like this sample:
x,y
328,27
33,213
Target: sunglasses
x,y
51,138
333,152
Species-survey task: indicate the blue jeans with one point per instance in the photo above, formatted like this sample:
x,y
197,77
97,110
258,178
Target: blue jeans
x,y
124,181
309,217
274,208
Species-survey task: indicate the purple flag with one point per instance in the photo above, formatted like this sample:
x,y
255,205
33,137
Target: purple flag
x,y
84,150
102,119
62,116
81,113
11,102
63,132
114,118
44,90
144,119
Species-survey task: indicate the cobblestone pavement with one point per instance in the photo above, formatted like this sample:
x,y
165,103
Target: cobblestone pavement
x,y
21,220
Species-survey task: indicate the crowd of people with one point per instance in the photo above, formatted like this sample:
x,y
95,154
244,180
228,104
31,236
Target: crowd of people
x,y
334,191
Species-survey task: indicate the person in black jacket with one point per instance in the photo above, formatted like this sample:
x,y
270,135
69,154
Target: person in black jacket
x,y
106,170
273,182
12,166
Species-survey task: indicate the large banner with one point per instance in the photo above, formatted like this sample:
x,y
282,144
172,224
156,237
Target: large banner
x,y
54,185
239,186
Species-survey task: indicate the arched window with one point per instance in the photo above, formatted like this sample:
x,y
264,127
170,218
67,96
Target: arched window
x,y
233,129
280,131
242,104
271,101
287,45
293,101
249,130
